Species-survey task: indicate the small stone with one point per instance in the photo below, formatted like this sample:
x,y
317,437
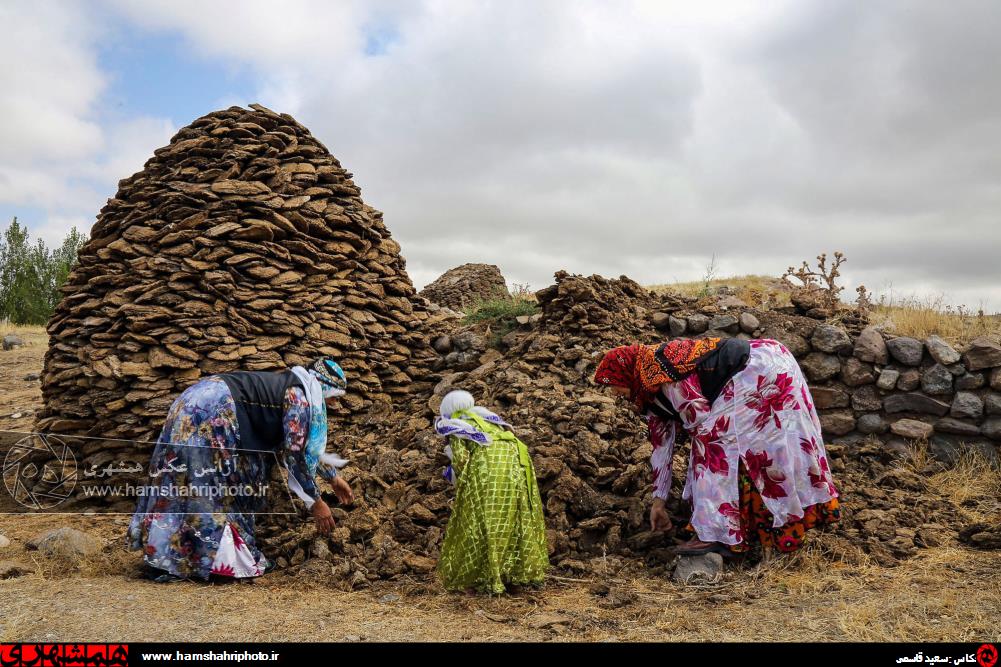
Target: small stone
x,y
831,339
65,542
948,449
837,423
32,377
389,598
4,542
898,446
967,405
913,402
888,379
956,427
856,373
660,320
992,428
983,353
706,568
795,343
352,638
870,424
992,404
727,323
442,344
829,397
468,341
969,381
748,323
867,399
12,342
913,429
996,379
941,351
909,380
870,347
697,323
820,367
676,326
957,370
936,381
907,351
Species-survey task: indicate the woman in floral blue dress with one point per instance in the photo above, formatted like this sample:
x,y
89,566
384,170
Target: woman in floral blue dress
x,y
212,463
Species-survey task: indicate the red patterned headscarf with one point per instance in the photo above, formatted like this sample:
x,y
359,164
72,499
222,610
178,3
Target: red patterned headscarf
x,y
618,368
643,369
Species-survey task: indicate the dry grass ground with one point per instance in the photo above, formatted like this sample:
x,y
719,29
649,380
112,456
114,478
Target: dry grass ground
x,y
19,397
945,594
948,593
757,291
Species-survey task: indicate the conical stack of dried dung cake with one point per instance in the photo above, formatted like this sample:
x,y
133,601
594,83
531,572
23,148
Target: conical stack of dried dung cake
x,y
466,286
243,244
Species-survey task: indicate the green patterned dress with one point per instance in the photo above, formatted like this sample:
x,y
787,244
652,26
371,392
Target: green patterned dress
x,y
497,534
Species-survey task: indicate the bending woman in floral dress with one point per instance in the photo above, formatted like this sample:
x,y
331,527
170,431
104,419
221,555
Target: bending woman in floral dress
x,y
212,463
758,469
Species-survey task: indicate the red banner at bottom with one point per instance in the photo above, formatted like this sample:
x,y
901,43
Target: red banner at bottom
x,y
64,655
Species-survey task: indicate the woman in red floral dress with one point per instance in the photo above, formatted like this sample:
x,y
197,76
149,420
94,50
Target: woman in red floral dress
x,y
758,468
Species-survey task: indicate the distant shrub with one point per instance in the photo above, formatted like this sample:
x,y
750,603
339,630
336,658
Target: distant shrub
x,y
500,315
500,310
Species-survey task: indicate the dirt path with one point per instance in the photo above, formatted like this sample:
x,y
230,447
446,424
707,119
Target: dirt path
x,y
944,594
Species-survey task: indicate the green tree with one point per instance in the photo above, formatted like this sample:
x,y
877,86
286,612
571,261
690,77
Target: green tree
x,y
13,272
31,275
63,259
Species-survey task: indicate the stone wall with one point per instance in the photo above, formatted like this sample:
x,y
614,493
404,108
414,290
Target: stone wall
x,y
896,388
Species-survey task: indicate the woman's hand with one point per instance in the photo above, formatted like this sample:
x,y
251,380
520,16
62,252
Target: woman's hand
x,y
659,518
342,490
324,519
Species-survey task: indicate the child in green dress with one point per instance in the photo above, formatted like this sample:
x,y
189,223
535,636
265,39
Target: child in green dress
x,y
496,536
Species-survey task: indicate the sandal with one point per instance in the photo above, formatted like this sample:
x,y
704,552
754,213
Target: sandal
x,y
708,547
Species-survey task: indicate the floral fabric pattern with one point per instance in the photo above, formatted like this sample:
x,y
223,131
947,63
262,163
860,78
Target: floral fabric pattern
x,y
183,524
763,422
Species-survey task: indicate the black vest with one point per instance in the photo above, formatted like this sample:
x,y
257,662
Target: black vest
x,y
260,409
715,370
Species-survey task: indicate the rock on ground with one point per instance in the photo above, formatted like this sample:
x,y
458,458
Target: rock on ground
x,y
702,569
65,542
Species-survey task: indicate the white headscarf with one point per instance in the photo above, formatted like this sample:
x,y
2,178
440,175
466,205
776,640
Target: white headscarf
x,y
447,425
455,401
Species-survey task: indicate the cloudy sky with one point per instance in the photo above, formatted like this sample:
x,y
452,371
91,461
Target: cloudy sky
x,y
637,138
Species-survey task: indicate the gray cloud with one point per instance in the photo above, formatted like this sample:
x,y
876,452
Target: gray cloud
x,y
644,138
